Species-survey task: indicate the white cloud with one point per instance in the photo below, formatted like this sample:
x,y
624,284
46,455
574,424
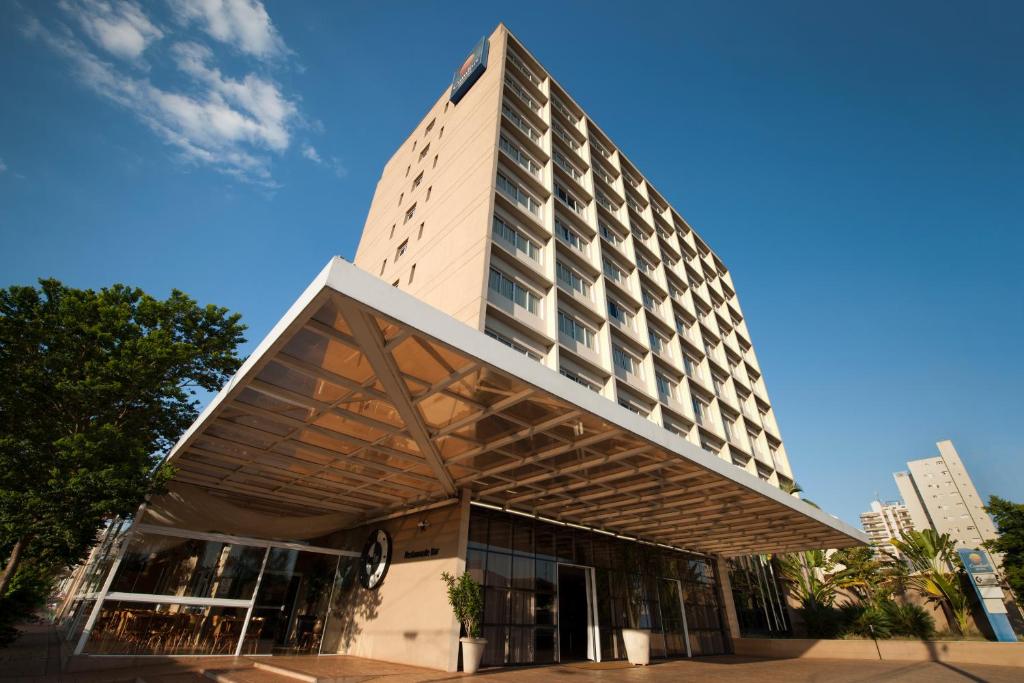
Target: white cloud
x,y
308,151
121,29
235,126
244,24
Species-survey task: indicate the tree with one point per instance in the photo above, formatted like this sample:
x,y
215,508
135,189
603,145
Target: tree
x,y
808,574
860,573
1009,518
930,556
94,387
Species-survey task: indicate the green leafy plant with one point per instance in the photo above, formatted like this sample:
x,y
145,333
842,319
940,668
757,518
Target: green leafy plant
x,y
1009,518
808,576
909,620
467,601
930,556
868,621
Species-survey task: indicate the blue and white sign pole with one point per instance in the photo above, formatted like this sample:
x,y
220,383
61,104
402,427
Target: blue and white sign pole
x,y
983,577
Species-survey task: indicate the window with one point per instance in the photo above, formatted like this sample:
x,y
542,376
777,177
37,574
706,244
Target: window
x,y
558,106
407,169
419,235
666,388
719,385
402,248
518,63
631,407
392,235
600,149
649,302
613,272
603,174
518,155
401,198
619,313
603,200
410,213
520,123
572,279
424,151
658,343
689,365
511,344
383,265
517,194
609,234
395,283
728,425
430,126
513,291
440,133
569,236
435,161
564,135
579,379
567,166
623,359
568,199
644,265
429,190
412,273
574,329
417,181
514,238
521,93
700,410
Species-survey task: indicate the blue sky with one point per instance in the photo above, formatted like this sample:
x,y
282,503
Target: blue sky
x,y
859,168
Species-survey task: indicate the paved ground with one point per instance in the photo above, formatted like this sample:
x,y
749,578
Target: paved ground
x,y
37,658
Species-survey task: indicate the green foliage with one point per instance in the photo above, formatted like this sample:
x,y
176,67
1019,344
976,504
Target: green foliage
x,y
909,620
860,573
1009,518
821,621
467,601
26,593
866,621
808,575
94,386
931,558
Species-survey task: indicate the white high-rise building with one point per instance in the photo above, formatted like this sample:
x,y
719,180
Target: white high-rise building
x,y
940,495
884,522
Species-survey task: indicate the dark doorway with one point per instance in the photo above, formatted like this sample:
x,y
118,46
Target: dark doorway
x,y
573,623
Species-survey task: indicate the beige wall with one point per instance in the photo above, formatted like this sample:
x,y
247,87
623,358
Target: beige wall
x,y
966,652
407,618
451,255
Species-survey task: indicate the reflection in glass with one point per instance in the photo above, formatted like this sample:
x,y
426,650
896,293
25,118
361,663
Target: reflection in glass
x,y
187,567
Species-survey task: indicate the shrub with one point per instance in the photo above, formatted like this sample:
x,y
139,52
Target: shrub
x,y
866,622
821,621
910,620
466,599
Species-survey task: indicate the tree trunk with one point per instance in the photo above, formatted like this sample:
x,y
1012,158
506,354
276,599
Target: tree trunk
x,y
12,566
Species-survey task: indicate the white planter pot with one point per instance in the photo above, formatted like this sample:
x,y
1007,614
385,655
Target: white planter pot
x,y
638,645
472,653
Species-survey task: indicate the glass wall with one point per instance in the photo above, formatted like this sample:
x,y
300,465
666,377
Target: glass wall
x,y
760,605
516,559
211,595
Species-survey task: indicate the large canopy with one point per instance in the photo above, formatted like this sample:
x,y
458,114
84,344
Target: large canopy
x,y
364,401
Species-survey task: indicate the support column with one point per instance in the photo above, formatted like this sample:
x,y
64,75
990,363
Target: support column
x,y
725,585
460,568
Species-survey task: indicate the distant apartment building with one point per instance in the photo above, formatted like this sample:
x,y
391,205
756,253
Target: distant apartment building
x,y
884,522
940,495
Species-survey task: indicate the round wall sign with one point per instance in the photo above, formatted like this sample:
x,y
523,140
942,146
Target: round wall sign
x,y
376,559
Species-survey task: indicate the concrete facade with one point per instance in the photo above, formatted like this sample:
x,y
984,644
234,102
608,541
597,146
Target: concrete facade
x,y
884,522
513,212
940,495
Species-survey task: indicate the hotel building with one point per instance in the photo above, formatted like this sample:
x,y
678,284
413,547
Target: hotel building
x,y
538,373
940,495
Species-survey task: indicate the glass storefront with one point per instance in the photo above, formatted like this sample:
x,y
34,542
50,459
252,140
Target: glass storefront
x,y
174,594
521,561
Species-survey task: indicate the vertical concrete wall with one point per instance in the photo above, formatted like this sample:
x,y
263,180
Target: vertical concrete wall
x,y
406,618
453,200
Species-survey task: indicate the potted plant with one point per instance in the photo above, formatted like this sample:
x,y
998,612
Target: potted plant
x,y
636,639
466,599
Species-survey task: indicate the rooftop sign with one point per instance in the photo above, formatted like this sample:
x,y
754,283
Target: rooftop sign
x,y
471,70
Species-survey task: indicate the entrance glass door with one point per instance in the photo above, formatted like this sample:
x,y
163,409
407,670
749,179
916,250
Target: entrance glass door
x,y
577,632
673,618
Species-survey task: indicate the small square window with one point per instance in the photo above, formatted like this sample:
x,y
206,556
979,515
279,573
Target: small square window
x,y
417,181
410,213
395,283
400,251
430,126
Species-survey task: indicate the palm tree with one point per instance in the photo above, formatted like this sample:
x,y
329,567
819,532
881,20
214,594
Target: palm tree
x,y
930,558
861,573
807,574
